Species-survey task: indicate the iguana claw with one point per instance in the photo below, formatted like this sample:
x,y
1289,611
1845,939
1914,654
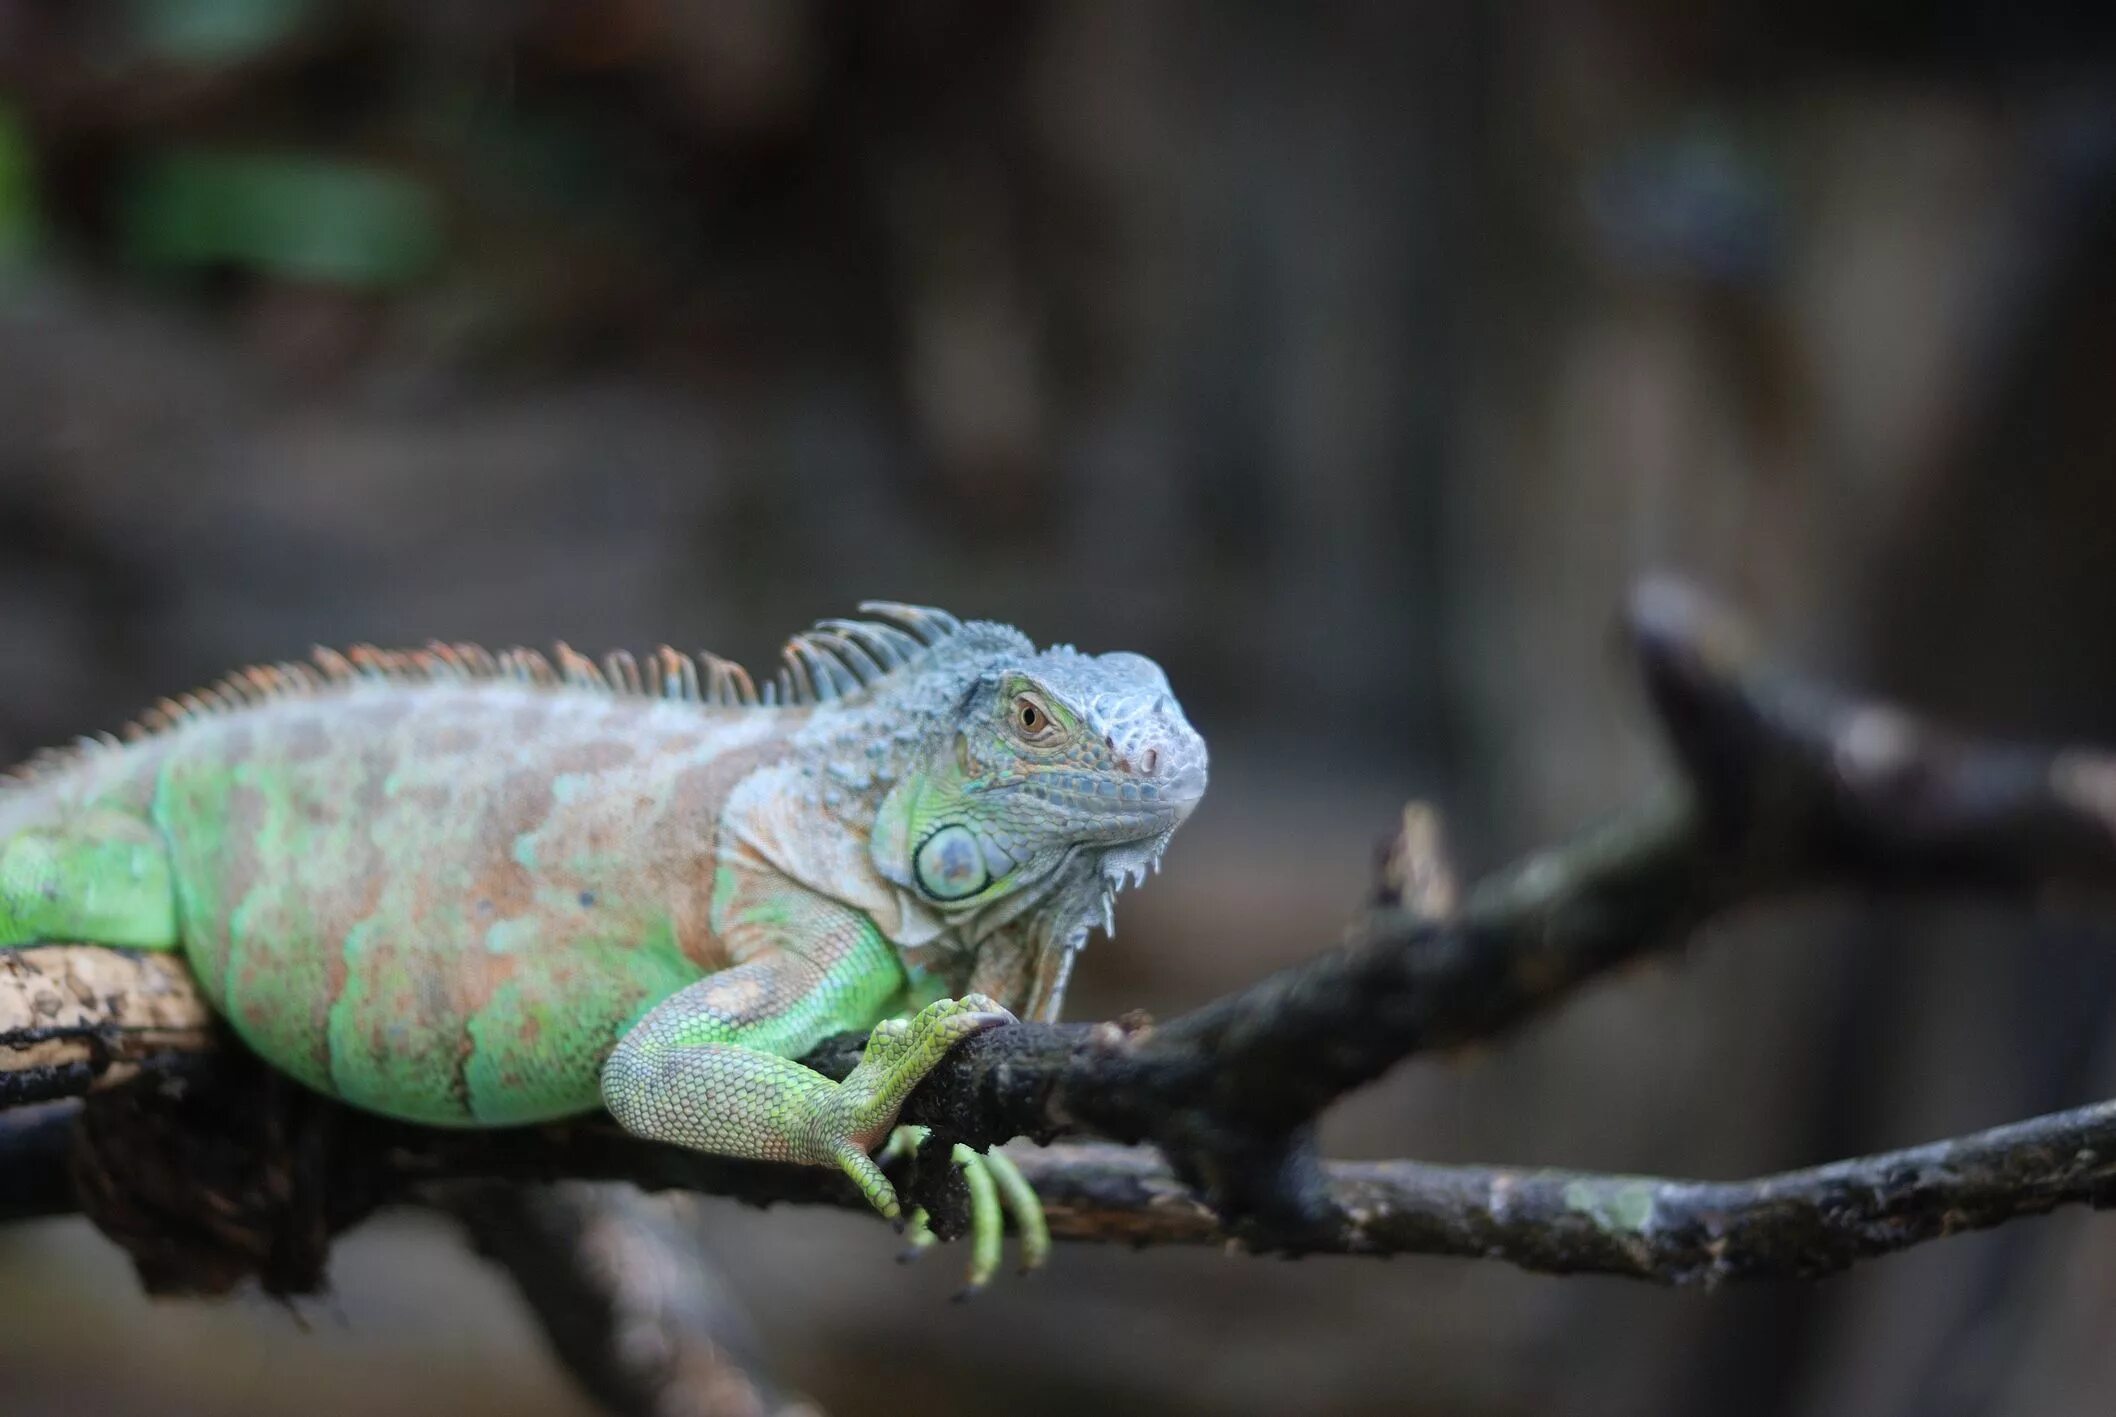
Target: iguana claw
x,y
997,1189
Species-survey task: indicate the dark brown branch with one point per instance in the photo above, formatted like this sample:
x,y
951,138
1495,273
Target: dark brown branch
x,y
1796,1225
1783,786
1799,1224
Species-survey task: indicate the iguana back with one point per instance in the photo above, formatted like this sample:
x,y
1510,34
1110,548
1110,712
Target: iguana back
x,y
442,900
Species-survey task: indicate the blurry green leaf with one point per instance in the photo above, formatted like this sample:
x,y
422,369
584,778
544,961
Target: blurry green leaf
x,y
215,31
292,216
17,201
18,191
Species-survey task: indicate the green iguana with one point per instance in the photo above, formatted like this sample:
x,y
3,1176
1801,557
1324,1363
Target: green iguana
x,y
475,890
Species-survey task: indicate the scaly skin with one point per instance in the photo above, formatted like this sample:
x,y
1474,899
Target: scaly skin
x,y
476,892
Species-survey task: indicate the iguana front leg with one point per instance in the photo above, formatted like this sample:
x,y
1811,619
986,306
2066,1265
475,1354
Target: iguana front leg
x,y
712,1067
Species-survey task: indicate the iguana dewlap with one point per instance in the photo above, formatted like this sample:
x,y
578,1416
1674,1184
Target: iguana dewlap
x,y
479,890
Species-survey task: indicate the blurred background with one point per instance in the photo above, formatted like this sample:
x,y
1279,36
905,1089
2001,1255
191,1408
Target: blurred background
x,y
1348,358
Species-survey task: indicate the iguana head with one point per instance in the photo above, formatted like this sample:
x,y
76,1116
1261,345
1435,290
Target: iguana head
x,y
1047,781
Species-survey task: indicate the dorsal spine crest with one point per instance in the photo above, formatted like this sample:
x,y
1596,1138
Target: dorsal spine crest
x,y
837,660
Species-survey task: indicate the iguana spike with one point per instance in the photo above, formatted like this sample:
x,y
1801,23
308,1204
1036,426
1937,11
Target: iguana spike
x,y
577,669
336,667
444,655
679,675
794,687
531,667
709,680
829,676
849,654
924,622
622,671
730,682
886,645
901,643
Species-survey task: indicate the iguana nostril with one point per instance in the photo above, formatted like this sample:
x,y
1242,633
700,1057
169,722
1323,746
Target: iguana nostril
x,y
1149,761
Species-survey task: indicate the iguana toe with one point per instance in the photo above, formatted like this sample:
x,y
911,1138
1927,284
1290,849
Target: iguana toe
x,y
997,1190
1021,1202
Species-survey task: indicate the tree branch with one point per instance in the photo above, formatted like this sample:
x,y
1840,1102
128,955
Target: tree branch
x,y
1795,1225
1783,786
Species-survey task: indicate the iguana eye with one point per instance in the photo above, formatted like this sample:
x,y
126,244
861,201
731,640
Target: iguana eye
x,y
1031,719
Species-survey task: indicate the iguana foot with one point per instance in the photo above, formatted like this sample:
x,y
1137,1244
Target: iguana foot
x,y
997,1189
899,1054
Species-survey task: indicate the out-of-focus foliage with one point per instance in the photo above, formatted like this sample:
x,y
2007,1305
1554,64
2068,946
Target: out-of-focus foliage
x,y
18,192
212,32
291,217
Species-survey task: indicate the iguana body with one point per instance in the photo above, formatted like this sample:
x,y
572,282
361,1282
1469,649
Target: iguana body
x,y
468,890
